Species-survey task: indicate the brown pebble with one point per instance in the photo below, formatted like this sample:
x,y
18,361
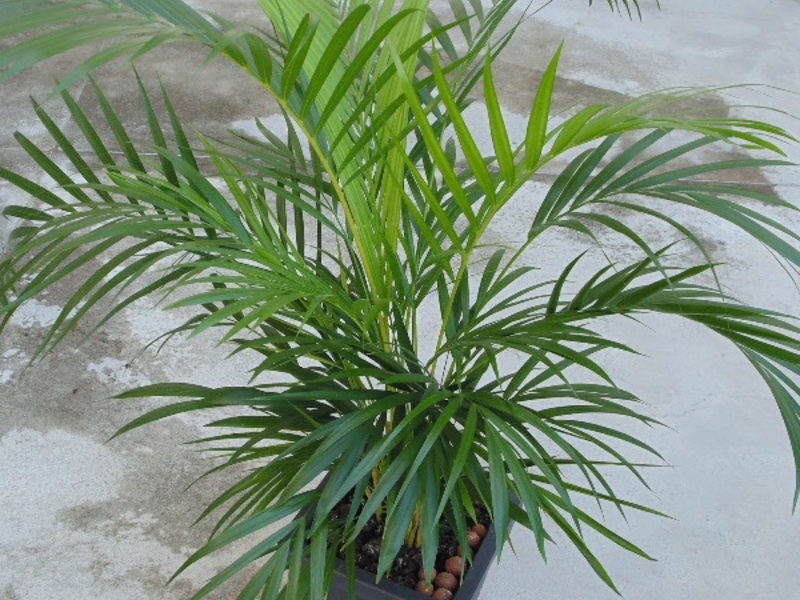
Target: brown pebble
x,y
442,594
421,574
425,588
453,565
474,540
480,530
447,581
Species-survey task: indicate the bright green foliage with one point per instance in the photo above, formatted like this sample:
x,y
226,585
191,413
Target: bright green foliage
x,y
317,253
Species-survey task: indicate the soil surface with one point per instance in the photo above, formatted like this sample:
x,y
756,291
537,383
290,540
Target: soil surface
x,y
408,562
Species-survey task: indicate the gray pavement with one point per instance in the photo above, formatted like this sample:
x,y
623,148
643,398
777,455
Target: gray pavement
x,y
86,519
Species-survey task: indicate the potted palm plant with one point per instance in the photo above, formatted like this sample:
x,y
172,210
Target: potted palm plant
x,y
428,375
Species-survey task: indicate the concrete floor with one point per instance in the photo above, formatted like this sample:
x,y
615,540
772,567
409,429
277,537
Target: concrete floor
x,y
84,519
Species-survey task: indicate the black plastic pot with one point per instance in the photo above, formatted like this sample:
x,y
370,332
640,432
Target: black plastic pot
x,y
367,589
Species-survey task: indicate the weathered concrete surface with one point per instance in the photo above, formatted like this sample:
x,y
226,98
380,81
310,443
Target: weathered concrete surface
x,y
84,519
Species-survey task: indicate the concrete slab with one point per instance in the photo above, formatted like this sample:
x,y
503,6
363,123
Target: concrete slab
x,y
81,518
